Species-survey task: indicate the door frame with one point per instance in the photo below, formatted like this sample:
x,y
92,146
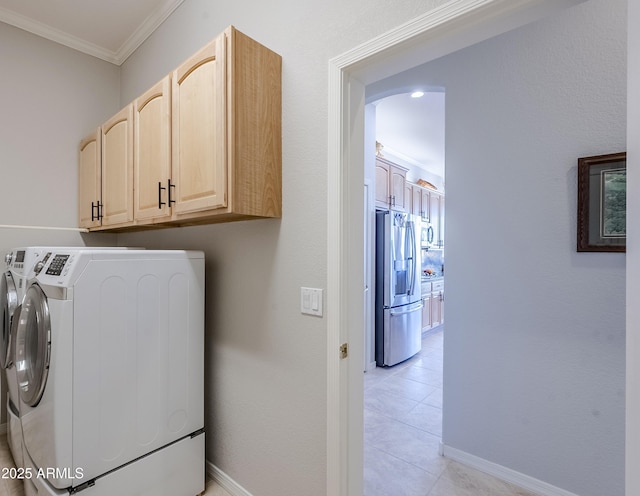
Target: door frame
x,y
445,29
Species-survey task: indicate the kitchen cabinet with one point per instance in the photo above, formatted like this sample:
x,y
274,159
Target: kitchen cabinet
x,y
421,198
437,303
391,186
90,180
152,158
433,304
117,169
426,312
436,217
208,142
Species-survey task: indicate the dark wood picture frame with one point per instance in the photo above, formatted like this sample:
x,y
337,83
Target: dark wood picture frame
x,y
602,190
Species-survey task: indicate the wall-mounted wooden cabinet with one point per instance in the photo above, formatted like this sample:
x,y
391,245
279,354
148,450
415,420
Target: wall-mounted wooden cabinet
x,y
152,154
90,181
207,141
117,169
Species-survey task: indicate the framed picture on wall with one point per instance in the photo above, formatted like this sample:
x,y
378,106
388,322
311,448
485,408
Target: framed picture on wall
x,y
602,203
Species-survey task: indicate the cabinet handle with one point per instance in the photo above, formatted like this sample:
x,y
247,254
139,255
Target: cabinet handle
x,y
160,190
95,207
98,209
169,185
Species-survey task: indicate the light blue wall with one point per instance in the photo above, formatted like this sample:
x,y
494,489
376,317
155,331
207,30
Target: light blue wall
x,y
535,332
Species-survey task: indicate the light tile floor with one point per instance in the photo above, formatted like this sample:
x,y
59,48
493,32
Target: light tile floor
x,y
403,428
13,487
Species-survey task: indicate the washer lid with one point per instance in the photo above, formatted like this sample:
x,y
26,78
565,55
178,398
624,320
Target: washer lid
x,y
33,346
8,304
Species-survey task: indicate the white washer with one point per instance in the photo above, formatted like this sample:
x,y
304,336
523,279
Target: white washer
x,y
109,358
20,263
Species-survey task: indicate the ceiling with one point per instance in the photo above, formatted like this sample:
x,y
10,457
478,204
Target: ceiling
x,y
108,29
412,129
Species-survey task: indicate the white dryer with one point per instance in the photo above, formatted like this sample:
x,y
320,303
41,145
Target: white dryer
x,y
21,268
110,366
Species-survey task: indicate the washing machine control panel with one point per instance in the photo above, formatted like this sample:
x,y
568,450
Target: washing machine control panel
x,y
57,264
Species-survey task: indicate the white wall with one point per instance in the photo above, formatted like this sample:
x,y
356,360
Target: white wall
x,y
266,363
535,332
633,254
50,97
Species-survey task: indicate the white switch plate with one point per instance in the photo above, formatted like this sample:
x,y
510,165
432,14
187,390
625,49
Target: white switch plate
x,y
311,301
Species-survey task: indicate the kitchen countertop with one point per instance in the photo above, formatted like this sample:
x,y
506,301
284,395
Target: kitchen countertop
x,y
426,287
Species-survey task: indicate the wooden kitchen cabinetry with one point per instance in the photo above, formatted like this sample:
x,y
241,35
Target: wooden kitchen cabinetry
x,y
426,312
437,303
391,186
421,198
432,304
436,217
208,139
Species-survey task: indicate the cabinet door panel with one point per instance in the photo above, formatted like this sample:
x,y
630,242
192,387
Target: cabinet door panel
x,y
382,183
152,162
117,168
398,190
198,124
89,179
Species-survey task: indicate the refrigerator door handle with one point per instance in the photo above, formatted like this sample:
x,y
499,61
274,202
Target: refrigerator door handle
x,y
412,308
413,268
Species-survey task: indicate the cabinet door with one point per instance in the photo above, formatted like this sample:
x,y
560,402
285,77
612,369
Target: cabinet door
x,y
416,199
199,138
117,168
441,223
426,312
152,158
436,307
434,216
397,182
426,199
89,178
382,183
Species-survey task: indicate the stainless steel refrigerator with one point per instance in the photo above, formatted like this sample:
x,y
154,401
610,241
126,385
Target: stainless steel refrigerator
x,y
398,289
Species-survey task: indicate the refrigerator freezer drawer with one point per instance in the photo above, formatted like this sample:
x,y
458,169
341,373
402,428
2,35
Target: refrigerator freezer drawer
x,y
402,333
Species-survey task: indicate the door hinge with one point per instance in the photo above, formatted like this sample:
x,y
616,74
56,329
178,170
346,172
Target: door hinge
x,y
344,350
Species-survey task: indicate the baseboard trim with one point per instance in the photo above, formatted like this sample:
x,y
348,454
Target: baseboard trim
x,y
504,473
227,483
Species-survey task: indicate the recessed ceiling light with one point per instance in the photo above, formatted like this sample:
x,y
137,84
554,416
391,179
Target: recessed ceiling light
x,y
417,94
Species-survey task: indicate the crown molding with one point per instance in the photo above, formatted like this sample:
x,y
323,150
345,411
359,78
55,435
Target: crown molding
x,y
145,30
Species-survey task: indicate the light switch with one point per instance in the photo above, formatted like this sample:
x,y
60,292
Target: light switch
x,y
311,301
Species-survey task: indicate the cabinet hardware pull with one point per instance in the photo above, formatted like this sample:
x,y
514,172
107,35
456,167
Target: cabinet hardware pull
x,y
169,185
160,190
100,205
93,216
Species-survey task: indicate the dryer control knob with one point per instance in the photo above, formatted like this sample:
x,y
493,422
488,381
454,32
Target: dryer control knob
x,y
8,258
38,267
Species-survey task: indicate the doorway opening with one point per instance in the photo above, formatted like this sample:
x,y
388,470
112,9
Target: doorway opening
x,y
441,31
404,401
